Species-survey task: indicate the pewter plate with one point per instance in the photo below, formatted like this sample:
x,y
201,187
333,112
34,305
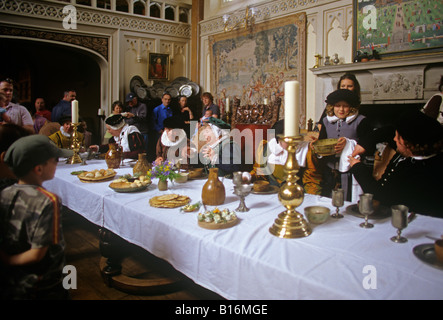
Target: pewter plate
x,y
381,213
186,90
272,190
426,253
128,190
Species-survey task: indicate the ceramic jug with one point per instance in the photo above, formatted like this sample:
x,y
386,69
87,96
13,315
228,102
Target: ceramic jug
x,y
114,156
213,191
142,166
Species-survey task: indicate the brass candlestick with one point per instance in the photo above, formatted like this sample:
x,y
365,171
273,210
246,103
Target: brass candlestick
x,y
317,61
75,146
228,117
291,223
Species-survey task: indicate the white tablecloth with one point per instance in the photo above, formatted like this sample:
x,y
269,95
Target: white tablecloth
x,y
247,261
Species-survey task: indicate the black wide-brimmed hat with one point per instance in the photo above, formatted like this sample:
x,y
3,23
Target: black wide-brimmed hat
x,y
343,95
115,121
65,118
419,129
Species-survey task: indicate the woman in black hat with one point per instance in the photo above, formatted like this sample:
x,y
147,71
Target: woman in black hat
x,y
126,136
342,122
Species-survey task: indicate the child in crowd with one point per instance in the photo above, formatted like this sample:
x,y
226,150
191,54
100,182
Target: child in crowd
x,y
31,238
344,123
205,118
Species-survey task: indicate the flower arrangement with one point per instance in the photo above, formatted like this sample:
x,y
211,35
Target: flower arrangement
x,y
163,171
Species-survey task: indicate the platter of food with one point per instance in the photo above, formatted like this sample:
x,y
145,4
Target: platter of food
x,y
191,207
169,201
125,185
217,219
97,175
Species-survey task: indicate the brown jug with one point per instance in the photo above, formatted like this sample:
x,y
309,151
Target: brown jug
x,y
142,166
114,156
213,192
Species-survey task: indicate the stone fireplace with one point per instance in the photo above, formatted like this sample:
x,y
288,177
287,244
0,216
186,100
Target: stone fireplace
x,y
387,86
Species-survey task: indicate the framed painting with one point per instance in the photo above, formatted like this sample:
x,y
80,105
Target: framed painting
x,y
400,27
253,64
159,66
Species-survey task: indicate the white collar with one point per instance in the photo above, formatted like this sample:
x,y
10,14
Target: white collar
x,y
349,119
66,134
180,134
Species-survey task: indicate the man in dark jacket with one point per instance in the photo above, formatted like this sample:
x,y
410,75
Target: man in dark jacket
x,y
414,176
137,116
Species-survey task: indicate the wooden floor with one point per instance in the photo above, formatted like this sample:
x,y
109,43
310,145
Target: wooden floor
x,y
82,251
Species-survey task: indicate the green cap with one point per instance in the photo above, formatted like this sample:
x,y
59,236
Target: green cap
x,y
28,152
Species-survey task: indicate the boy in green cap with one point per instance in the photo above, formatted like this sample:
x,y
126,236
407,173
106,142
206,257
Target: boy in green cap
x,y
31,238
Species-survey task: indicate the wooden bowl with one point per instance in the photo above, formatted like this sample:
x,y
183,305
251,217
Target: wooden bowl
x,y
195,173
325,147
438,246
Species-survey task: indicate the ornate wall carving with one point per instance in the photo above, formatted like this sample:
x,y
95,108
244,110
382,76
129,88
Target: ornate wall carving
x,y
96,44
53,11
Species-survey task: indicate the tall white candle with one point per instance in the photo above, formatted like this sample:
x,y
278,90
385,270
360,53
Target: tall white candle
x,y
74,111
227,104
265,101
292,108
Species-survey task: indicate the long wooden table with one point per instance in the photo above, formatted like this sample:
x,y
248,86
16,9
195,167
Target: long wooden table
x,y
339,260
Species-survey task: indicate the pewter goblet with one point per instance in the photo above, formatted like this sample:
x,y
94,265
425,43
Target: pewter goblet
x,y
237,178
242,191
338,201
366,208
399,220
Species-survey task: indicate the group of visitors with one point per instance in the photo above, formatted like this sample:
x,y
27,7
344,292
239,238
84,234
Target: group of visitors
x,y
31,237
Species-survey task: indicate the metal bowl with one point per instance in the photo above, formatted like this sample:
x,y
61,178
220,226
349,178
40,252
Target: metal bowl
x,y
325,147
182,178
317,214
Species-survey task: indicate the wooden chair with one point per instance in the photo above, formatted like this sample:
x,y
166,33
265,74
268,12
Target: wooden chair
x,y
49,128
253,117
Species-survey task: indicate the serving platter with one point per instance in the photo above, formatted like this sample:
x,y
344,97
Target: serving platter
x,y
128,190
381,213
271,190
217,226
83,178
426,253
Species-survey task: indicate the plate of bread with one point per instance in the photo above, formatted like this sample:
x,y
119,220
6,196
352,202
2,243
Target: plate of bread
x,y
97,175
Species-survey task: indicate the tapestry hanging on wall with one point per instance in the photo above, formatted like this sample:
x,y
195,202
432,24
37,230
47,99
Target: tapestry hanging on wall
x,y
253,64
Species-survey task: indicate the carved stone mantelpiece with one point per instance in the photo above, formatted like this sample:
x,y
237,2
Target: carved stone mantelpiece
x,y
398,84
409,80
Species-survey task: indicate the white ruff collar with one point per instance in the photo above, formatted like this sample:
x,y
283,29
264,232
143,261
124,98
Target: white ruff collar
x,y
179,136
349,119
66,134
